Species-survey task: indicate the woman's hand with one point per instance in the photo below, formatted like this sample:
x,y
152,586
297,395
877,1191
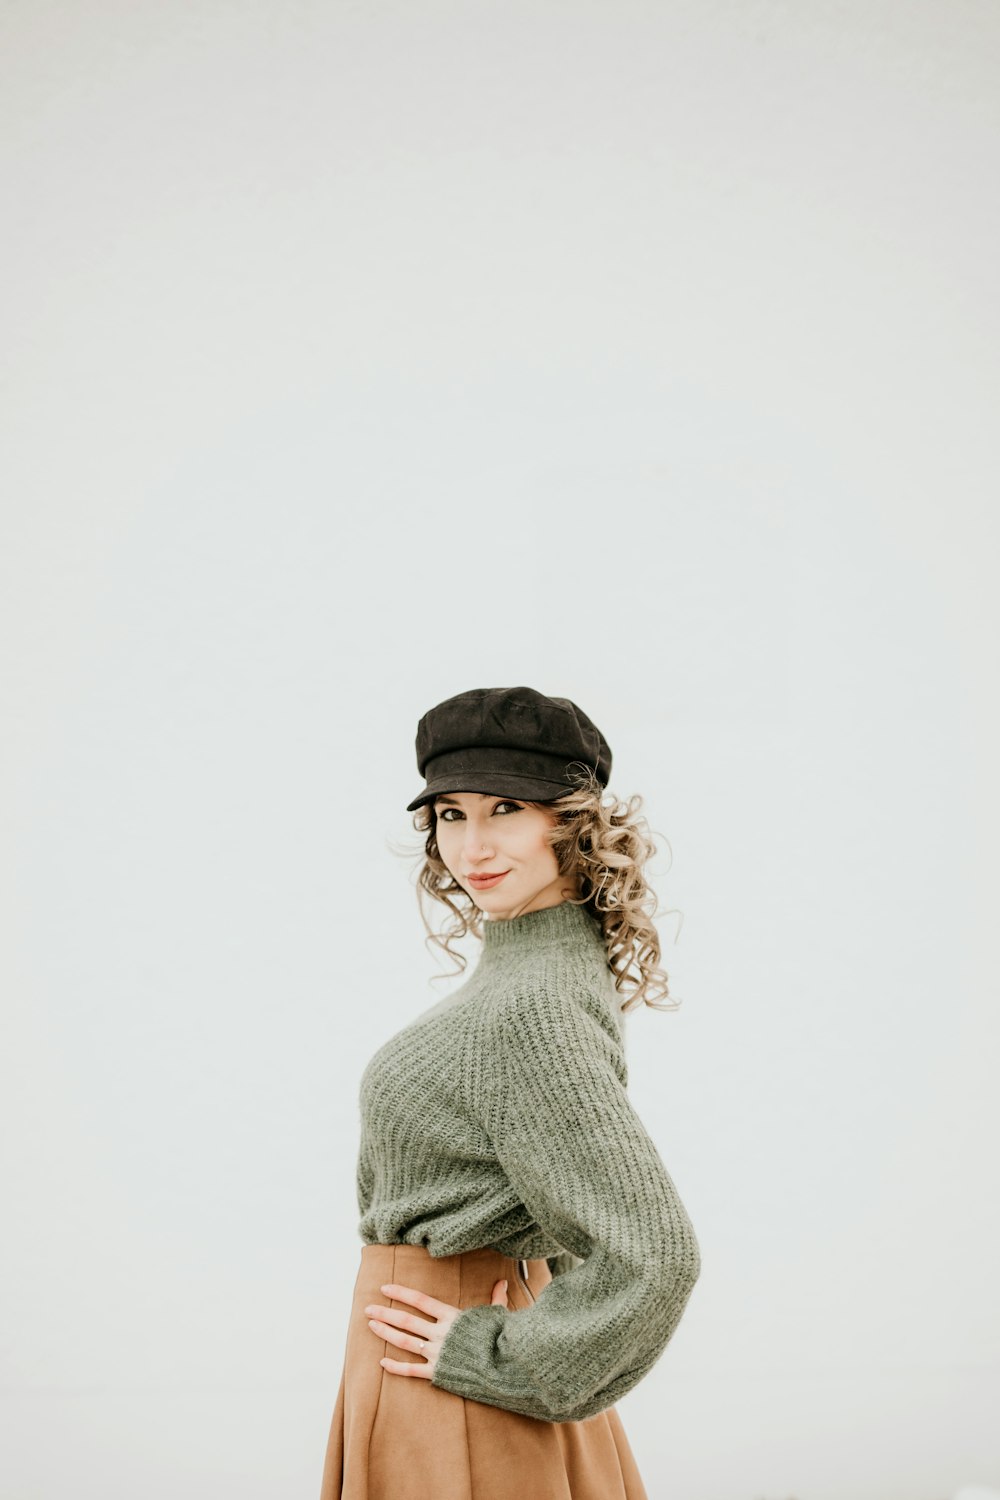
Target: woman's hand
x,y
423,1335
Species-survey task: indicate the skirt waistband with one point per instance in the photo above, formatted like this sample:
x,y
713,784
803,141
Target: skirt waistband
x,y
474,1267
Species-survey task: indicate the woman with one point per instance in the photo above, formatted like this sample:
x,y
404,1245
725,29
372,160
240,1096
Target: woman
x,y
526,1256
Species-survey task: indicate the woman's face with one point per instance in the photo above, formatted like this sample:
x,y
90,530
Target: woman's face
x,y
483,834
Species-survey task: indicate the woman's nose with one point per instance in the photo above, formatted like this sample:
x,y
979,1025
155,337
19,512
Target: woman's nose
x,y
476,846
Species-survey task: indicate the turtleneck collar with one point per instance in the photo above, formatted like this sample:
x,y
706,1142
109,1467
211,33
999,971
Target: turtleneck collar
x,y
534,930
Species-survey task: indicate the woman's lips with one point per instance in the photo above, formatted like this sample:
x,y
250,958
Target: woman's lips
x,y
482,881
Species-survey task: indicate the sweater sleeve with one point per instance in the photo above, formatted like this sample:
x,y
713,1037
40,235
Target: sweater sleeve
x,y
554,1103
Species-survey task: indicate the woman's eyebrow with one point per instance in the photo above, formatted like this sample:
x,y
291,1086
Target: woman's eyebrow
x,y
484,796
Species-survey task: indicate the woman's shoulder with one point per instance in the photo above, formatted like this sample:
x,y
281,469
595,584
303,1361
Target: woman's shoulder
x,y
571,1001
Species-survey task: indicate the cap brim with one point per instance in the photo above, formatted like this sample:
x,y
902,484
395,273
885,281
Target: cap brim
x,y
499,784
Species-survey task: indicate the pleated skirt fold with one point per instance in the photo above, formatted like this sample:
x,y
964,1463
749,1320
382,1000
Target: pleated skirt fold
x,y
398,1437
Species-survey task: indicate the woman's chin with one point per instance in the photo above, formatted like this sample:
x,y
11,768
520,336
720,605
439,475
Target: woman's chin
x,y
492,902
494,905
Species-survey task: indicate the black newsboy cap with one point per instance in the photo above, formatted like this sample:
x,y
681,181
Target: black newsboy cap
x,y
507,741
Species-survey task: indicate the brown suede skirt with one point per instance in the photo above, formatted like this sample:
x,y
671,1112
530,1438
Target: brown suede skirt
x,y
398,1437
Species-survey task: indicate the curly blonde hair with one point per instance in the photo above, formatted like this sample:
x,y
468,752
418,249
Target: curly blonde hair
x,y
605,844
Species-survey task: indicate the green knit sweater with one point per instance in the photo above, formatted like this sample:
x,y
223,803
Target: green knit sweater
x,y
499,1117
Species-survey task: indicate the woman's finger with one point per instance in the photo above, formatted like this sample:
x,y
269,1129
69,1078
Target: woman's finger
x,y
415,1298
423,1372
401,1319
405,1338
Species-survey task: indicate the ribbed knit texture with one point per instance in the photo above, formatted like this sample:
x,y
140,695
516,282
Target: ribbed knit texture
x,y
499,1117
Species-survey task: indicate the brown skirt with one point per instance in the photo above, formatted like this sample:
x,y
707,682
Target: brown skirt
x,y
398,1437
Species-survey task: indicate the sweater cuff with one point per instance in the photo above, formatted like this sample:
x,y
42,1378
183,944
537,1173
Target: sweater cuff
x,y
468,1350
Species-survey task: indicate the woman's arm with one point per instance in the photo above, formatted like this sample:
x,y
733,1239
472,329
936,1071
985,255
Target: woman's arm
x,y
553,1100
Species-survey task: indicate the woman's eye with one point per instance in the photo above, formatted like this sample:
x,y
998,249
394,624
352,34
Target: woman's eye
x,y
443,814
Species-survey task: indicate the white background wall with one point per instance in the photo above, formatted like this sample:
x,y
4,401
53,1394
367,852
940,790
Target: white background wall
x,y
357,355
